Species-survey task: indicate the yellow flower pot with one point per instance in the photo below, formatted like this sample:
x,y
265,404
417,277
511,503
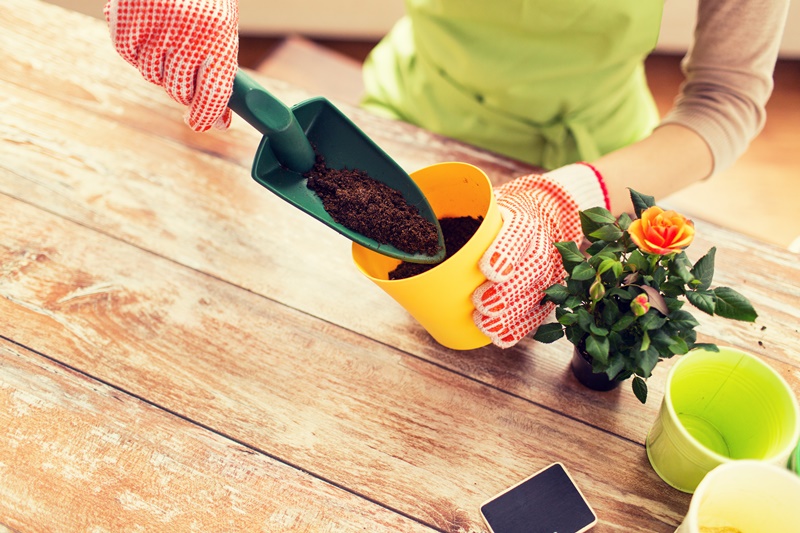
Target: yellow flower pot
x,y
440,299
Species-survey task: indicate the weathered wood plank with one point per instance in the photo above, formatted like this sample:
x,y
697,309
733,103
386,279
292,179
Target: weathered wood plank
x,y
205,212
78,455
394,428
143,254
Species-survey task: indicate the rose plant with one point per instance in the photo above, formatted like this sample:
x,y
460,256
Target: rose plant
x,y
621,302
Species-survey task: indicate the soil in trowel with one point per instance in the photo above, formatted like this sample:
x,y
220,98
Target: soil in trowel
x,y
456,231
363,204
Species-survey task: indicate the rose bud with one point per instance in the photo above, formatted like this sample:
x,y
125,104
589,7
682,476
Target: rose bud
x,y
640,305
597,290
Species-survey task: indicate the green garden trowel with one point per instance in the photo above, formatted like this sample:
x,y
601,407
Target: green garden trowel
x,y
287,152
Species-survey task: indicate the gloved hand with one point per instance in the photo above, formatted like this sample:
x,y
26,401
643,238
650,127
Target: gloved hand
x,y
537,211
189,47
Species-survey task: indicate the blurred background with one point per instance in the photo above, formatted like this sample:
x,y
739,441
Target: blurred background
x,y
320,45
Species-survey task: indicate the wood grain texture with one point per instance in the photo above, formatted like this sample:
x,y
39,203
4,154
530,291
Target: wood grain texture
x,y
142,258
79,455
377,421
203,211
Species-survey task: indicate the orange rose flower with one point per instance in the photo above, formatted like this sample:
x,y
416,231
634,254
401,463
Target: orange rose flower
x,y
661,232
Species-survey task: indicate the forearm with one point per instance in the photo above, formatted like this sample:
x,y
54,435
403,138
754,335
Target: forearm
x,y
671,158
729,74
720,109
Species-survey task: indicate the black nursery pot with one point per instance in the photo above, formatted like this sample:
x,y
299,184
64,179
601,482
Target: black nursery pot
x,y
582,370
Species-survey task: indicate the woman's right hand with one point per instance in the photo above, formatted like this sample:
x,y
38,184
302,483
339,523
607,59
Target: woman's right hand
x,y
537,211
188,47
522,261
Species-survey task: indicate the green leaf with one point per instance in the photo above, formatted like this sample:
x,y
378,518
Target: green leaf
x,y
597,330
598,258
640,388
596,248
673,289
623,323
703,300
557,293
606,233
673,304
570,254
616,362
654,259
731,304
703,270
651,320
690,337
678,346
645,342
624,294
683,320
624,221
706,346
662,339
582,272
548,333
612,249
585,320
597,347
610,312
615,340
577,288
680,269
594,219
610,264
641,202
638,260
574,334
659,277
647,361
617,269
568,319
600,215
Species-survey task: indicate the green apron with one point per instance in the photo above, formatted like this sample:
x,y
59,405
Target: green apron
x,y
546,82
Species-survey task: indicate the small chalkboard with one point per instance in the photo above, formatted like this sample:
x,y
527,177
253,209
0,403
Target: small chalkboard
x,y
547,502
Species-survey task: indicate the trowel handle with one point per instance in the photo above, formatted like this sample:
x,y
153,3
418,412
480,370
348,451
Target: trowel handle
x,y
274,119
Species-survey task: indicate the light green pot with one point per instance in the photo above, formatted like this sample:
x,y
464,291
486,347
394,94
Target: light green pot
x,y
718,407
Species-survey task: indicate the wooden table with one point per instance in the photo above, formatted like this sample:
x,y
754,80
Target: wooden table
x,y
180,350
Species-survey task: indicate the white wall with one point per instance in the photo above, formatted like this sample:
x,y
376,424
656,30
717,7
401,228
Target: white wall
x,y
679,18
370,19
365,19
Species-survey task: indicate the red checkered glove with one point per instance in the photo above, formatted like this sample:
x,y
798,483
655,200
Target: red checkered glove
x,y
537,211
189,47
